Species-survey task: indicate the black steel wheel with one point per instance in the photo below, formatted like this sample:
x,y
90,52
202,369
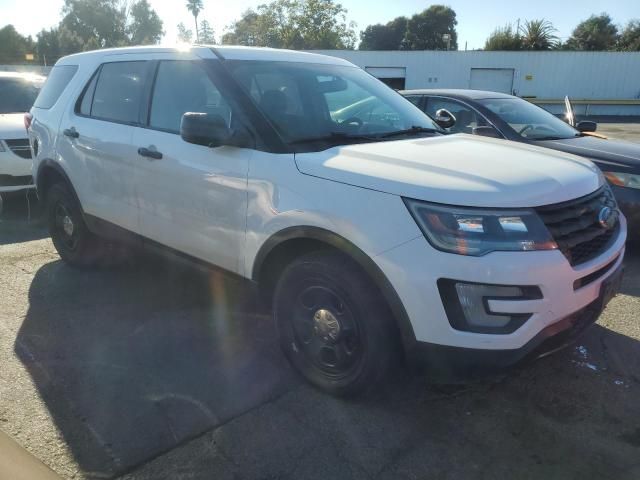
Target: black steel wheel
x,y
332,324
75,244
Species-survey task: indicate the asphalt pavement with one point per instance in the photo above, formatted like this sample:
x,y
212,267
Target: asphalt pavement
x,y
158,370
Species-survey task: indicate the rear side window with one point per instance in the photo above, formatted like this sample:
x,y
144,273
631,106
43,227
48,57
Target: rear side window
x,y
57,81
118,92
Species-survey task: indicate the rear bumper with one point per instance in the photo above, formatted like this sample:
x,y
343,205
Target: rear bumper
x,y
446,363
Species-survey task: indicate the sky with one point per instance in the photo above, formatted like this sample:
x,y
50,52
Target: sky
x,y
476,18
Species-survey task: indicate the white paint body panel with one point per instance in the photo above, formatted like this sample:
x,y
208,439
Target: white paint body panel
x,y
12,127
222,204
458,170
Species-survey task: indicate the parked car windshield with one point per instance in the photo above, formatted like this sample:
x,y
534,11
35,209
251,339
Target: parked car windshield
x,y
305,101
17,94
528,120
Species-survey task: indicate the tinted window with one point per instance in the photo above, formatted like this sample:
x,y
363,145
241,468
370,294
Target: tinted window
x,y
415,99
181,87
119,91
57,81
17,94
466,118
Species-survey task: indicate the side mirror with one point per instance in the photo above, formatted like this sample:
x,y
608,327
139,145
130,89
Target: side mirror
x,y
211,131
445,118
486,131
587,126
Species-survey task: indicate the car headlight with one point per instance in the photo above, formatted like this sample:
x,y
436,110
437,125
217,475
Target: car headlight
x,y
478,231
620,179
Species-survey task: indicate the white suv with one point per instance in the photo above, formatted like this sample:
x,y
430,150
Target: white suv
x,y
373,234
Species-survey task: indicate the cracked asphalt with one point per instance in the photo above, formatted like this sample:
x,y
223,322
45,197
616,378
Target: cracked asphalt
x,y
158,370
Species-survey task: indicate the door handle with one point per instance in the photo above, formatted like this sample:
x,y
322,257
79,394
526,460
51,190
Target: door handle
x,y
71,132
145,152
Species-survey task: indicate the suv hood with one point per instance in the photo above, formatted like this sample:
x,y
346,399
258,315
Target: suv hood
x,y
458,170
12,125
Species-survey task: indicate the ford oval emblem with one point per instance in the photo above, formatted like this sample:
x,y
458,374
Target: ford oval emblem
x,y
606,217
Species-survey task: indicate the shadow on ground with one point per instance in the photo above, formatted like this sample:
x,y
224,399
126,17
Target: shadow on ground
x,y
20,219
132,362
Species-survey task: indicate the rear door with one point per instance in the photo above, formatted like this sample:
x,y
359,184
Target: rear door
x,y
96,135
192,198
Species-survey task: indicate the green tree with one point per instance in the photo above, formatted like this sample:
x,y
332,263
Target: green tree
x,y
425,30
384,37
14,46
504,38
99,23
207,35
297,24
538,35
185,35
195,7
596,33
630,37
145,27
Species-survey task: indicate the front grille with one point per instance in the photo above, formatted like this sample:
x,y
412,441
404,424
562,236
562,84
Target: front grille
x,y
20,147
575,226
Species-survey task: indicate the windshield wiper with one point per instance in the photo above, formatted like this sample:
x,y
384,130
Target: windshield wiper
x,y
411,131
333,137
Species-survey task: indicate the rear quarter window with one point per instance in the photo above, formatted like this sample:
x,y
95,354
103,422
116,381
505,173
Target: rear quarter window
x,y
57,81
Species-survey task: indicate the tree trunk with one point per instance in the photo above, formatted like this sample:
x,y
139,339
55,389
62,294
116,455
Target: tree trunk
x,y
197,35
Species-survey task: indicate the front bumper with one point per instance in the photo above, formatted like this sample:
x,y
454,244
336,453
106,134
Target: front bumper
x,y
15,171
414,269
453,363
629,202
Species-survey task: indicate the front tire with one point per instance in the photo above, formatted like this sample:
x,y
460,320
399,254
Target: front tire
x,y
75,244
333,325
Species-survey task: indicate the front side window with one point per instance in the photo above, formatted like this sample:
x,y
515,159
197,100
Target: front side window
x,y
118,92
17,94
180,87
466,118
58,79
310,101
529,121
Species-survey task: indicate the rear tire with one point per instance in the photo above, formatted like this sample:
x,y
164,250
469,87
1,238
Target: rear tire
x,y
333,325
75,244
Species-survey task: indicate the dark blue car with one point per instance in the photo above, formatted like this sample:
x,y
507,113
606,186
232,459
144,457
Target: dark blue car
x,y
498,115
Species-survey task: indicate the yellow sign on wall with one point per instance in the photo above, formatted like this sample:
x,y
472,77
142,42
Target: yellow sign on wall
x,y
28,56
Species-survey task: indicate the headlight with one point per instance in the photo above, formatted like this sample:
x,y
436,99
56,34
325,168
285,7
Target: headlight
x,y
628,180
478,231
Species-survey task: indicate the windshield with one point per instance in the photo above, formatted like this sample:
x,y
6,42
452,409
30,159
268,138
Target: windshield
x,y
529,121
306,101
17,94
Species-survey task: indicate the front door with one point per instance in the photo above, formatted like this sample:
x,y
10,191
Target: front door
x,y
191,197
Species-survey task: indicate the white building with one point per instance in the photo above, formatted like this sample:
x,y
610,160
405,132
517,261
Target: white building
x,y
602,83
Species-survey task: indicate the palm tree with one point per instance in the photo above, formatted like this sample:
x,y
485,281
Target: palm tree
x,y
195,7
538,35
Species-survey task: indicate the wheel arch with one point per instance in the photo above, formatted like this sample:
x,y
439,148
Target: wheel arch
x,y
287,244
49,173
